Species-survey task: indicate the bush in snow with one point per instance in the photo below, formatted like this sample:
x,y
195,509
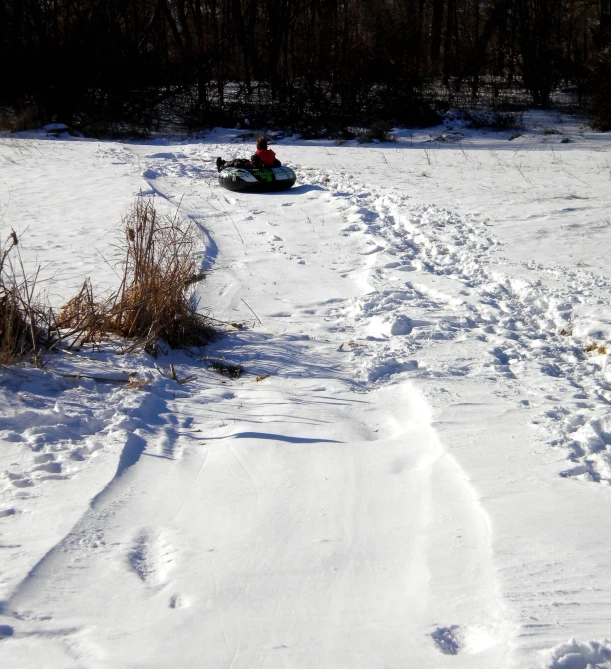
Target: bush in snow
x,y
378,131
494,120
154,300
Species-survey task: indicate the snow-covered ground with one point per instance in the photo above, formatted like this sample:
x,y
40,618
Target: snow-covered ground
x,y
414,468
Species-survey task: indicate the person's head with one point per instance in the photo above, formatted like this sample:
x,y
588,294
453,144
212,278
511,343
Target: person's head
x,y
261,143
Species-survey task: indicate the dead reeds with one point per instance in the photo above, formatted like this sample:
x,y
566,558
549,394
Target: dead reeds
x,y
159,267
154,301
26,325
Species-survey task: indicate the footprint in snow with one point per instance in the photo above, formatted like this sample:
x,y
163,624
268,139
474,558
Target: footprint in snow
x,y
7,513
44,457
401,326
49,467
175,602
19,480
137,557
445,639
167,156
12,436
152,558
6,631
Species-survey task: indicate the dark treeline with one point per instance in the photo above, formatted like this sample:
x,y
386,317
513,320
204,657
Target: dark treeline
x,y
212,60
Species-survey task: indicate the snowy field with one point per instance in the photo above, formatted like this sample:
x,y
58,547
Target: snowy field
x,y
413,471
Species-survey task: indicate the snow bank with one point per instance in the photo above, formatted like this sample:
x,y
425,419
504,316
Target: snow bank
x,y
574,655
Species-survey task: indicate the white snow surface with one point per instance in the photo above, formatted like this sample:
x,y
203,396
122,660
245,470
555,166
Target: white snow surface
x,y
414,469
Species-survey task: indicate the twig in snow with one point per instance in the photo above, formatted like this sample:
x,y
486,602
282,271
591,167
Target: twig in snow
x,y
97,379
172,375
234,225
260,323
528,181
463,151
330,156
520,147
578,179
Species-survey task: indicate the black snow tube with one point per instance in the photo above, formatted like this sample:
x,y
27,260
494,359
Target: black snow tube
x,y
255,180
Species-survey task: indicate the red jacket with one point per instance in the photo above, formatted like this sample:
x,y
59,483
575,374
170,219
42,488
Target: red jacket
x,y
267,156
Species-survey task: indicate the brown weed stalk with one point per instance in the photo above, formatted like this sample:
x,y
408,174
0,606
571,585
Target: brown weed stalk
x,y
83,319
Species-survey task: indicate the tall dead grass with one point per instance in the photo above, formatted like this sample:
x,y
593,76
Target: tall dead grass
x,y
26,324
154,301
159,267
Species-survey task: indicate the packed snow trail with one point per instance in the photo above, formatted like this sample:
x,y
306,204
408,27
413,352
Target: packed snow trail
x,y
262,545
498,345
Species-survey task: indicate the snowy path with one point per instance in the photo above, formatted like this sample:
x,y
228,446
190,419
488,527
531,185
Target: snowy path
x,y
257,547
390,493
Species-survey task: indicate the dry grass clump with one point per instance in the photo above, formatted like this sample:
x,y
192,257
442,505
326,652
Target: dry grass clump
x,y
78,315
380,131
220,367
154,302
26,326
599,348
